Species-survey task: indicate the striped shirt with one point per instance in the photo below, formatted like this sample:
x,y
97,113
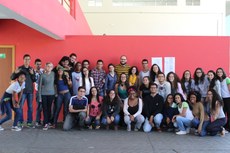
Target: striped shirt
x,y
120,69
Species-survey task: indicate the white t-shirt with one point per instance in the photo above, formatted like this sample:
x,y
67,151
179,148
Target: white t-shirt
x,y
88,85
188,111
15,87
224,88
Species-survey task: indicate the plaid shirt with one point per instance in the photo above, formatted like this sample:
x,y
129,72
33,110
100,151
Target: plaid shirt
x,y
99,78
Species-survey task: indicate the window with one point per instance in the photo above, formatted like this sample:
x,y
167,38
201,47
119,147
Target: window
x,y
193,2
97,3
144,2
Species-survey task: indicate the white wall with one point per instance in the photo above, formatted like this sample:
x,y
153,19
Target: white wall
x,y
207,19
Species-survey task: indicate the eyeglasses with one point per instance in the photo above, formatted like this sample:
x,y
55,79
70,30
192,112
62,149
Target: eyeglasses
x,y
198,72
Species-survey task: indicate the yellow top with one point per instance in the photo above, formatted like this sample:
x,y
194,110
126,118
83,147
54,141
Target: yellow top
x,y
132,80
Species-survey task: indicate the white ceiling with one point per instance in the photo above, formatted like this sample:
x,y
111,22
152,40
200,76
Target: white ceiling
x,y
6,13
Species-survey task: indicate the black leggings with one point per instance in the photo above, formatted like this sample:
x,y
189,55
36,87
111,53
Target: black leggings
x,y
227,111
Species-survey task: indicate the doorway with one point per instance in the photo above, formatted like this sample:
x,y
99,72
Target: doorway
x,y
7,58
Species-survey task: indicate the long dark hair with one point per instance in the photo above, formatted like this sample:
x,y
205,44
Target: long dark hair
x,y
166,101
83,77
213,81
183,80
126,82
116,99
130,70
63,78
91,96
153,74
223,76
215,98
175,81
181,97
196,78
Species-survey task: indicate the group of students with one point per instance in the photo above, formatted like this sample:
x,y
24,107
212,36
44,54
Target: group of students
x,y
91,97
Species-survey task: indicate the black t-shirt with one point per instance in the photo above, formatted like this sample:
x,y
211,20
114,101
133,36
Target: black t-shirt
x,y
145,90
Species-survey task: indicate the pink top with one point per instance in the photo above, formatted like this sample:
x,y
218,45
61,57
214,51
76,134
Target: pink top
x,y
95,107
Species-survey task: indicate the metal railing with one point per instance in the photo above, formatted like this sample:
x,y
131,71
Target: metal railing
x,y
69,5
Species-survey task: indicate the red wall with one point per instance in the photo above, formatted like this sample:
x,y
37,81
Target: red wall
x,y
190,52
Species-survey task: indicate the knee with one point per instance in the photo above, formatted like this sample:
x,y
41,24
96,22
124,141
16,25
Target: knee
x,y
140,118
158,119
178,118
127,119
116,119
147,127
66,127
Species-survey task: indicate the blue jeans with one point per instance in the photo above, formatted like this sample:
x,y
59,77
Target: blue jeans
x,y
71,120
29,98
8,110
183,123
116,120
195,124
38,109
139,119
156,120
92,119
216,126
61,99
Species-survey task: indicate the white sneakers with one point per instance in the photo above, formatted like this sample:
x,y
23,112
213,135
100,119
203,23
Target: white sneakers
x,y
181,132
1,128
16,128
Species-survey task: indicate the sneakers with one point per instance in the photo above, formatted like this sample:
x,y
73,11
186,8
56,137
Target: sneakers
x,y
16,128
45,128
90,127
187,130
128,127
97,127
21,125
38,124
222,133
181,132
159,130
30,125
1,128
107,127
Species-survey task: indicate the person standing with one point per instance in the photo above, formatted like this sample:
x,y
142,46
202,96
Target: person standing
x,y
72,60
76,76
145,70
38,71
110,79
164,87
28,91
47,91
123,67
98,74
